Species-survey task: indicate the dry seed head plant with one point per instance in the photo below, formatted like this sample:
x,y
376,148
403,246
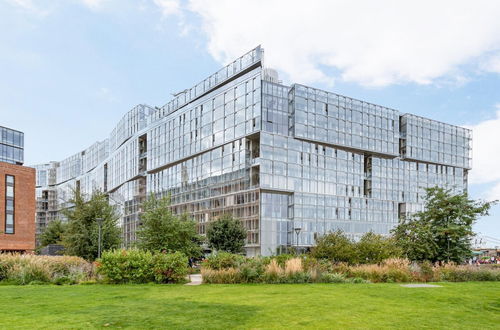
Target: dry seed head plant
x,y
293,266
273,268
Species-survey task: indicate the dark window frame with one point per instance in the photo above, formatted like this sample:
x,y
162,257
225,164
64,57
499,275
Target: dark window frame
x,y
13,212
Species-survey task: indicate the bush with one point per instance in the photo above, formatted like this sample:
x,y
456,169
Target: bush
x,y
127,266
392,270
138,266
6,262
223,260
357,280
170,268
283,258
454,273
252,269
220,276
63,280
337,247
426,272
27,272
296,277
373,248
25,269
305,269
273,272
332,278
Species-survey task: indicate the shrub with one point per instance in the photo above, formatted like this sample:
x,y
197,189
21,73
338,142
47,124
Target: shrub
x,y
337,247
24,269
221,276
6,262
283,258
63,280
373,248
332,278
357,280
296,277
170,268
292,272
293,266
223,260
138,266
127,266
454,273
273,272
391,270
252,269
305,269
26,272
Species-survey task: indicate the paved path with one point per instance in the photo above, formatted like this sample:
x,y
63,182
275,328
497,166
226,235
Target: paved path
x,y
195,279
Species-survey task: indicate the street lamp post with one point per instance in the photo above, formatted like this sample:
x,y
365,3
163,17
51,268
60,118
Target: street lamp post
x,y
297,231
99,224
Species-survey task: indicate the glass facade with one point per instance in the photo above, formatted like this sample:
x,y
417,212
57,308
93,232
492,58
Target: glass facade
x,y
11,146
277,157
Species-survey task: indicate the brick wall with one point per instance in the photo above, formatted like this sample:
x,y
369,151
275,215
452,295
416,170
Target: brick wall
x,y
23,238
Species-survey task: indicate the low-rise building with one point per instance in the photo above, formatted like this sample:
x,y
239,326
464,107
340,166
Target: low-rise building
x,y
17,195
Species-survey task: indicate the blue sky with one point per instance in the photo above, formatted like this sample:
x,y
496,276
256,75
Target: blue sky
x,y
70,69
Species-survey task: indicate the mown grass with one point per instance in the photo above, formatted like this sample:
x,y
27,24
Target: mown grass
x,y
473,305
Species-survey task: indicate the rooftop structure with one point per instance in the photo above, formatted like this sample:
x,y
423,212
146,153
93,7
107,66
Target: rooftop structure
x,y
11,146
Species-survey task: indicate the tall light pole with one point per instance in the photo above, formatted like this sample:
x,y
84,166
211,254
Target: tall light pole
x,y
297,231
99,224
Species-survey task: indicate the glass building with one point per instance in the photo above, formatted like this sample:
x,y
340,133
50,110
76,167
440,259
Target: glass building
x,y
280,158
11,146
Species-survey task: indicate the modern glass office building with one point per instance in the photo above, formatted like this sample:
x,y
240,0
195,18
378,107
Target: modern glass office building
x,y
278,157
11,146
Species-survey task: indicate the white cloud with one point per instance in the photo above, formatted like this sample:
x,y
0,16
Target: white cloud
x,y
29,5
169,7
492,64
486,155
93,4
373,43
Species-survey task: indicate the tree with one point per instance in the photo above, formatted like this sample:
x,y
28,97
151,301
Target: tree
x,y
226,234
53,233
163,231
373,248
443,231
81,237
335,246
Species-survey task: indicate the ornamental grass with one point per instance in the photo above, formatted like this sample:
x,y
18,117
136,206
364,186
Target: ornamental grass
x,y
25,269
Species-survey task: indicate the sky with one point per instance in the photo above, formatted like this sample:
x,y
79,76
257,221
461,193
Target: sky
x,y
70,69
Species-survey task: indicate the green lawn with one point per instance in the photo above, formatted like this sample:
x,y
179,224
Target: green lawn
x,y
455,306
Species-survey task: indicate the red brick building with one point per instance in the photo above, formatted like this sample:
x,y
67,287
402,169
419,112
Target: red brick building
x,y
17,208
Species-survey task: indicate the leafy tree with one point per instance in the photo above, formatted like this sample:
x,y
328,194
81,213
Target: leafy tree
x,y
53,233
226,234
416,240
82,233
373,248
443,231
163,231
335,246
